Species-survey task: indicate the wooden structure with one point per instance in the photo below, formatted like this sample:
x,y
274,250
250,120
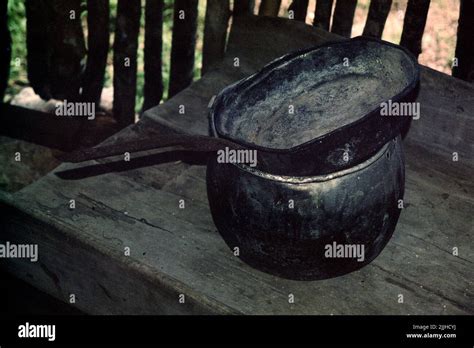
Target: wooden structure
x,y
135,207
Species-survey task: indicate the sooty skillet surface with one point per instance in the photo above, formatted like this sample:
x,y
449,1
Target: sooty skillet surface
x,y
325,93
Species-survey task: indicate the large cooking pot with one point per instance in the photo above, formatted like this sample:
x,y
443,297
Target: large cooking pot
x,y
322,198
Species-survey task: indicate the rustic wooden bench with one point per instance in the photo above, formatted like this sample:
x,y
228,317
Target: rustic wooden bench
x,y
134,206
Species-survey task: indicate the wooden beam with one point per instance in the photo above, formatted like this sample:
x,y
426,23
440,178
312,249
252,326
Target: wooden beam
x,y
68,49
98,47
183,45
5,48
414,25
322,14
343,17
269,8
153,89
215,32
125,60
299,8
38,45
464,46
378,12
242,7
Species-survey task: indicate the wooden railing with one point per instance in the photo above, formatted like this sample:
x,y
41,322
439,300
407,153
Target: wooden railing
x,y
56,43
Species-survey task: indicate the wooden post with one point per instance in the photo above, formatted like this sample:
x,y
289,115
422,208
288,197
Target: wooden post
x,y
98,47
38,45
378,12
5,49
465,45
68,49
414,25
153,89
183,45
125,60
242,7
343,17
215,32
299,8
269,8
322,14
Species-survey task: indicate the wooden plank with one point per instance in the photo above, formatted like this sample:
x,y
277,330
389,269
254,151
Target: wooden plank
x,y
38,45
464,47
215,33
322,14
5,49
243,7
153,89
269,8
299,9
125,60
67,49
376,18
183,45
98,48
414,25
343,17
177,250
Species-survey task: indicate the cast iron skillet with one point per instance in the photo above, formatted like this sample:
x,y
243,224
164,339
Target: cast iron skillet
x,y
335,91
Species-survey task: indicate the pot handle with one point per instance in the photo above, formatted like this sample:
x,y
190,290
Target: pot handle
x,y
186,142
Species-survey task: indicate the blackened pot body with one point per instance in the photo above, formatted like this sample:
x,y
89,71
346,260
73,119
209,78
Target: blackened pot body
x,y
287,226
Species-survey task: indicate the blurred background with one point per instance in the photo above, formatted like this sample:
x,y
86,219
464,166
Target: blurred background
x,y
438,44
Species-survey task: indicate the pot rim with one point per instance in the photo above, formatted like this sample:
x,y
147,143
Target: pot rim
x,y
412,85
318,178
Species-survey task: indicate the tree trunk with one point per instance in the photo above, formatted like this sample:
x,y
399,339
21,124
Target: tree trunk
x,y
215,33
299,8
414,25
98,47
343,17
378,12
68,49
465,45
322,14
5,49
183,45
269,8
153,90
38,22
125,60
243,7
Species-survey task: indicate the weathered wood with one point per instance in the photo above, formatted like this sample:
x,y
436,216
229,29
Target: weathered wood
x,y
464,45
5,49
97,50
299,8
153,89
414,25
322,14
38,45
343,17
243,7
378,13
183,45
125,60
67,49
215,32
269,8
178,251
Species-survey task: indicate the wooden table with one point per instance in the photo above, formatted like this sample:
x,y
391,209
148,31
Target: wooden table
x,y
177,251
